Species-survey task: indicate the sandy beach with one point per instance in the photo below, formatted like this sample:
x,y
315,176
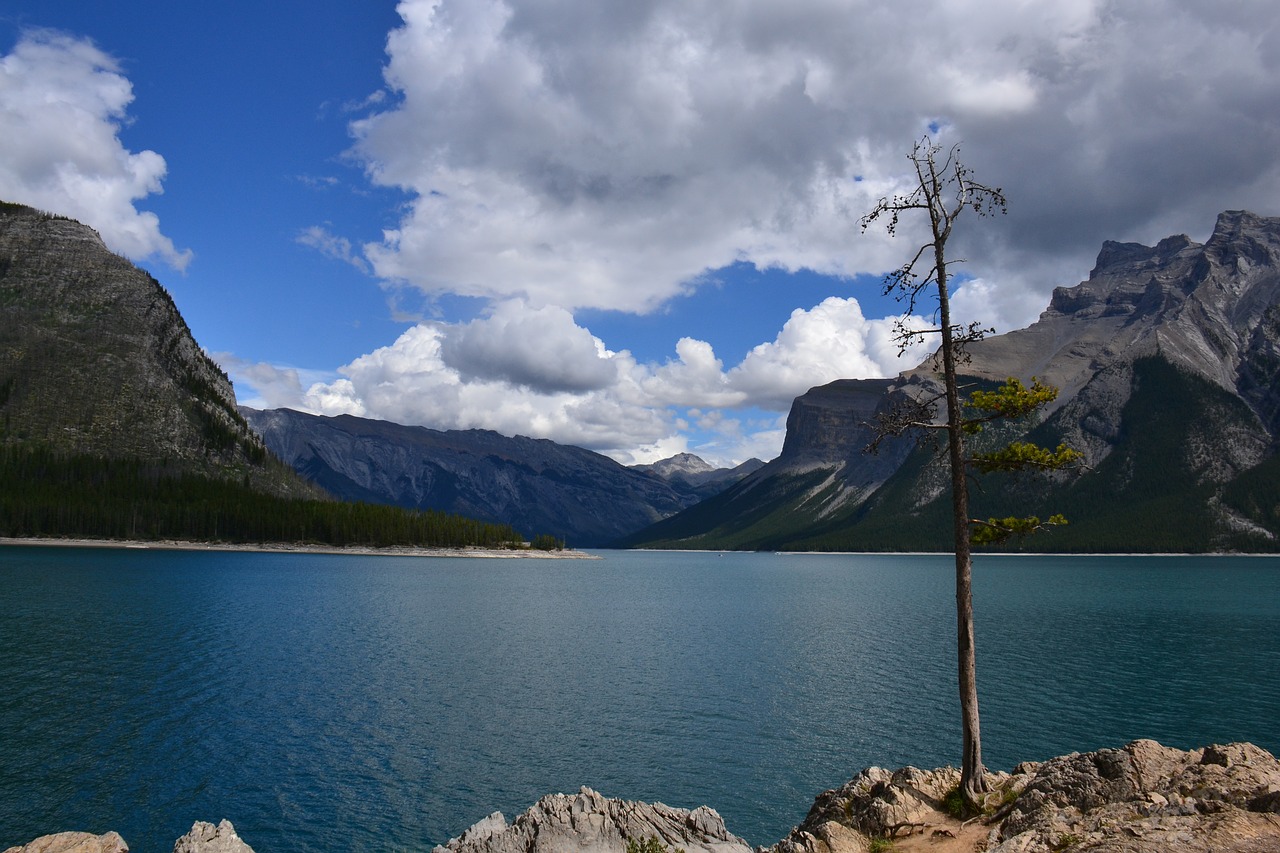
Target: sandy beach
x,y
299,548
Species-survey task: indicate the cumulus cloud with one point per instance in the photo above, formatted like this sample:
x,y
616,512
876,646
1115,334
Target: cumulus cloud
x,y
534,371
607,154
541,349
62,104
410,382
610,155
828,342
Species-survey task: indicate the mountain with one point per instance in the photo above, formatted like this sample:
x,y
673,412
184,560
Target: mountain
x,y
695,474
96,360
1168,363
114,424
532,484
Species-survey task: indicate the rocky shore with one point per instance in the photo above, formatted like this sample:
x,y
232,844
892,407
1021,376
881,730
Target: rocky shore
x,y
1141,798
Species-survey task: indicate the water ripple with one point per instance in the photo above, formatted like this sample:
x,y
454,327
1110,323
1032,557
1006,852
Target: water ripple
x,y
394,702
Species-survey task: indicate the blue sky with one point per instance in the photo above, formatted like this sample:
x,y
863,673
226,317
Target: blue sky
x,y
630,226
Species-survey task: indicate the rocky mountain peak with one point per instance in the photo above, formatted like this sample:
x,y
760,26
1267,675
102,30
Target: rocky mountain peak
x,y
1196,305
95,358
680,464
1167,363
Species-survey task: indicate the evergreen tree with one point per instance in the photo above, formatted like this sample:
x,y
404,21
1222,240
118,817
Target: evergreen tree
x,y
945,189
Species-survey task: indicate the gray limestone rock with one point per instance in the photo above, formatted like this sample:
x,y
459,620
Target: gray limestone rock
x,y
1142,798
207,838
74,842
1146,798
587,822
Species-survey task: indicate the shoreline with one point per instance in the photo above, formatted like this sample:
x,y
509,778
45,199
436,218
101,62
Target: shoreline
x,y
298,548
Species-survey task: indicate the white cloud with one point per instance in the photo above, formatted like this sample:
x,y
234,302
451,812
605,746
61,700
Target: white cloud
x,y
606,155
540,349
409,382
534,371
828,342
267,386
62,104
331,245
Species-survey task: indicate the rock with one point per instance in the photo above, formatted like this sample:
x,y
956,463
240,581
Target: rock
x,y
1146,798
1143,798
96,359
876,803
588,822
74,842
207,838
203,838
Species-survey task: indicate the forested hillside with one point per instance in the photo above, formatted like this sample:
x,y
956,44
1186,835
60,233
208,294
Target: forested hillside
x,y
114,423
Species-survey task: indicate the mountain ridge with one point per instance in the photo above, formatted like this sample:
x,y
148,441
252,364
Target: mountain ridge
x,y
532,484
96,359
1179,327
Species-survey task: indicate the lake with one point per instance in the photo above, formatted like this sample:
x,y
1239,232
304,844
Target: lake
x,y
386,703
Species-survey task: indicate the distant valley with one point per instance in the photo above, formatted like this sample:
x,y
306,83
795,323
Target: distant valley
x,y
582,497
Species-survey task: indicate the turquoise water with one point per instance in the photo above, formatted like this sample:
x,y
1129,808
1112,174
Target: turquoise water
x,y
391,702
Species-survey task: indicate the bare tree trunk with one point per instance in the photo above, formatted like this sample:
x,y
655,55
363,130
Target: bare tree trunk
x,y
944,192
972,778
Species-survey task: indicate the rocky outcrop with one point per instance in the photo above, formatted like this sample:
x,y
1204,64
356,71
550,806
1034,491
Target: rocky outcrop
x,y
534,485
207,838
587,822
74,842
1142,798
203,838
1146,797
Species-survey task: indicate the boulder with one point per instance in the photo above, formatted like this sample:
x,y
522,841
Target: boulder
x,y
1146,798
1142,798
74,842
588,822
207,838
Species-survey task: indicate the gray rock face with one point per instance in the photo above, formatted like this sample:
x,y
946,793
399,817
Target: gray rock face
x,y
587,822
833,424
1143,798
207,838
1146,797
74,842
535,485
203,838
94,356
96,359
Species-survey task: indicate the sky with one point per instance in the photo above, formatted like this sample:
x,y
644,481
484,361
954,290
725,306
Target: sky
x,y
627,225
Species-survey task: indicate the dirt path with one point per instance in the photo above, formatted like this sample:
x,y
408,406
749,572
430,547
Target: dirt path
x,y
944,834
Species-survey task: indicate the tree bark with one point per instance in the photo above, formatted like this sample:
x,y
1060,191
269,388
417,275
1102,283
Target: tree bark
x,y
972,777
